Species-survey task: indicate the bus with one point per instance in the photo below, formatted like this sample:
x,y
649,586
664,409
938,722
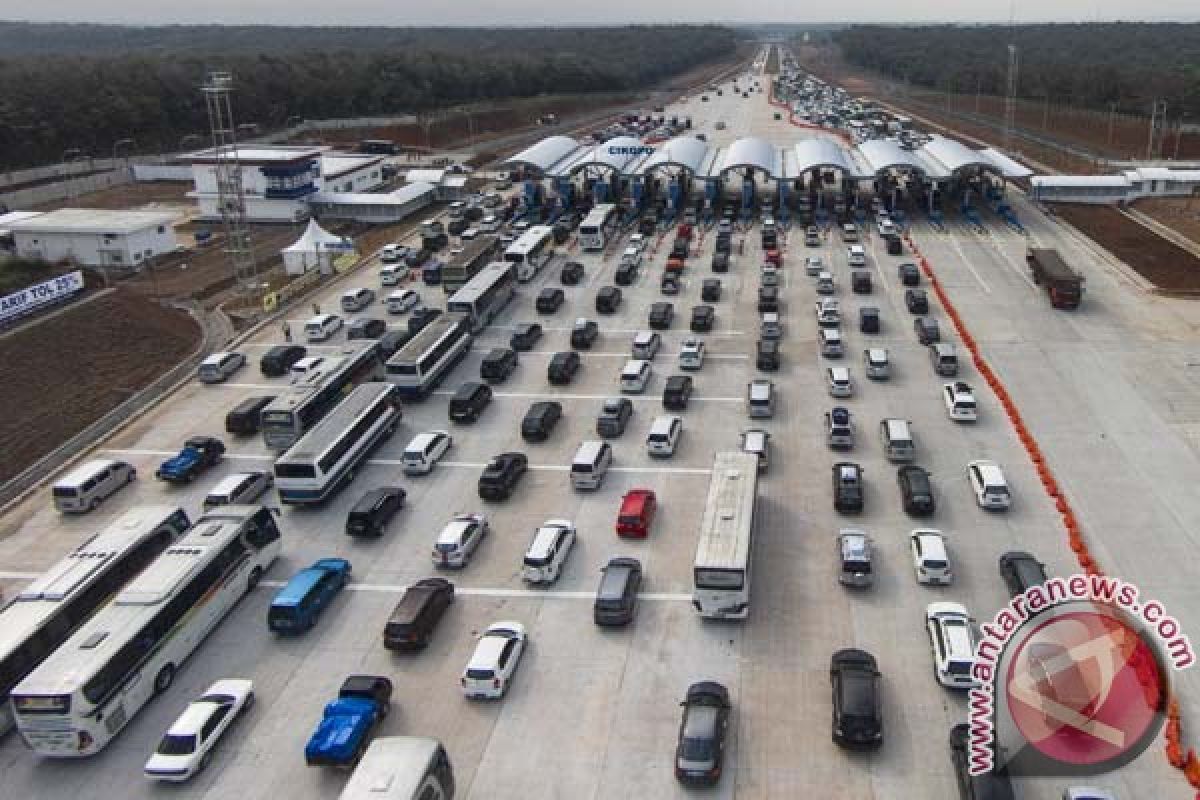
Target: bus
x,y
476,255
52,607
302,406
418,367
721,575
597,226
402,768
531,251
89,688
327,456
485,295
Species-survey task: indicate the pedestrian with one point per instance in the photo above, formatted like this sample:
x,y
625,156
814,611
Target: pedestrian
x,y
316,309
287,332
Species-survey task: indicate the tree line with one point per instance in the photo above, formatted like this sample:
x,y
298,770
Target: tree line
x,y
86,91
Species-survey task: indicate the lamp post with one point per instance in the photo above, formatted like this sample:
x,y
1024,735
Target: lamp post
x,y
1178,135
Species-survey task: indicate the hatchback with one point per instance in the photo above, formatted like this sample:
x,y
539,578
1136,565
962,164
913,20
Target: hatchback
x,y
636,513
494,662
459,539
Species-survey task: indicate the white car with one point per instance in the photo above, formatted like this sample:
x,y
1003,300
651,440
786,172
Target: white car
x,y
876,364
188,744
390,274
638,240
960,402
632,255
424,451
494,661
634,376
548,551
989,485
829,314
840,384
813,266
931,562
458,540
403,300
952,641
219,366
691,354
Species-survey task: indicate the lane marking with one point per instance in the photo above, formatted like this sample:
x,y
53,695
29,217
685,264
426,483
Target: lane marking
x,y
953,237
714,334
625,354
527,395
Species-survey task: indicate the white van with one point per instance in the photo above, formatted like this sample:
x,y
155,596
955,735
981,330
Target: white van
x,y
357,299
664,435
401,768
634,376
89,484
760,398
424,451
219,366
856,255
391,274
830,340
321,327
238,489
897,439
591,463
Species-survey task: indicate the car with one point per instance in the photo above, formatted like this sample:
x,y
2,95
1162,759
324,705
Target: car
x,y
626,273
813,266
812,236
857,707
916,301
770,327
769,276
617,594
239,488
402,301
608,299
370,514
646,345
187,746
828,312
469,401
392,253
661,315
501,475
909,275
1021,571
839,424
960,401
840,384
927,330
278,361
199,453
540,419
322,327
584,333
366,328
498,364
700,750
679,249
614,416
876,363
634,376
392,341
669,284
952,642
550,300
677,392
703,317
299,603
243,419
988,483
931,561
720,261
563,367
758,441
860,282
494,662
1087,793
636,512
416,258
639,242
218,367
768,298
422,317
767,355
710,290
571,274
458,540
868,319
994,785
847,486
348,723
691,354
548,551
525,336
916,490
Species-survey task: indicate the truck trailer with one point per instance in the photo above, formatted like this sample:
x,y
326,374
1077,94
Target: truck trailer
x,y
1063,284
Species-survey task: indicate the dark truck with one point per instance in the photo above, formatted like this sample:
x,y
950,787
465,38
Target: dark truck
x,y
1063,284
345,729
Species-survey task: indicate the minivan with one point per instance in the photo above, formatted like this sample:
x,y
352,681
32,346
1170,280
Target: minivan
x,y
897,440
664,435
646,345
88,485
916,492
219,366
424,451
321,327
830,340
239,488
616,597
634,376
469,400
246,417
760,398
944,359
357,299
370,514
297,605
590,464
280,358
417,614
540,420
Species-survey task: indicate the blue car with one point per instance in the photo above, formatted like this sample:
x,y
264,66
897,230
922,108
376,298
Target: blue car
x,y
346,726
298,604
198,454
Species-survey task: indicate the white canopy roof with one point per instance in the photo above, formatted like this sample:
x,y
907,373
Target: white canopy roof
x,y
315,239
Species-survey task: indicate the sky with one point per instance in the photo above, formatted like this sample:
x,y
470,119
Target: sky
x,y
610,12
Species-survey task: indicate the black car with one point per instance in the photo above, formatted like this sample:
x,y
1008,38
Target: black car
x,y
724,244
246,417
670,283
608,299
916,491
1021,571
768,299
421,318
626,273
766,355
562,367
916,300
540,420
366,328
414,618
710,291
847,486
860,281
572,273
614,416
909,274
868,319
560,232
498,364
661,315
501,475
648,224
392,341
677,392
370,515
550,300
993,785
525,336
679,249
279,359
857,709
584,333
417,257
895,247
616,597
720,261
469,401
701,747
431,273
702,318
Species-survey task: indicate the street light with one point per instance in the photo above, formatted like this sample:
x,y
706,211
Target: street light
x,y
1179,135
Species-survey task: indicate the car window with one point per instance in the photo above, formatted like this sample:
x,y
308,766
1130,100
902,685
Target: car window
x,y
214,721
506,653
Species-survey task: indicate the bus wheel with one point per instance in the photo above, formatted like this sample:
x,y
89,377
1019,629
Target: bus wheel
x,y
255,577
162,681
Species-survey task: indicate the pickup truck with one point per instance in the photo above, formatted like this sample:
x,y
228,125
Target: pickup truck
x,y
198,454
346,727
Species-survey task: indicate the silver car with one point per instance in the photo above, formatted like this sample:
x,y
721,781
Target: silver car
x,y
771,327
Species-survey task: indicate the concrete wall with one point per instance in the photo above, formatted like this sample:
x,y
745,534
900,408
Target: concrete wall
x,y
258,209
162,172
93,249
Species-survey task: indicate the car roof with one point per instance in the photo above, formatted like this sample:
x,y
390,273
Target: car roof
x,y
543,539
839,373
990,472
193,718
454,529
300,585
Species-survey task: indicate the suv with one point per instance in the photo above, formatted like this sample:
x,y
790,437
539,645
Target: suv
x,y
952,640
549,300
416,615
646,345
540,420
691,353
766,355
458,540
1021,571
710,290
608,299
525,336
366,328
562,368
959,401
989,485
626,272
916,491
279,359
614,416
661,315
572,273
720,261
857,710
847,486
469,401
909,275
498,364
868,319
501,475
702,318
677,392
916,301
768,298
584,333
616,597
548,551
370,515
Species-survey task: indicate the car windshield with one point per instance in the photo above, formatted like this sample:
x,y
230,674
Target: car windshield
x,y
174,744
696,749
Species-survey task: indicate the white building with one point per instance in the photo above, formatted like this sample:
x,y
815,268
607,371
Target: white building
x,y
1125,186
95,237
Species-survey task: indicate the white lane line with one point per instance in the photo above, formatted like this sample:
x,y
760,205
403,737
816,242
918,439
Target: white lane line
x,y
963,256
623,354
714,334
555,396
19,576
264,386
388,588
1023,273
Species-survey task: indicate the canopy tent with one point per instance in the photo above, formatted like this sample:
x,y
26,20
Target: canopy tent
x,y
316,249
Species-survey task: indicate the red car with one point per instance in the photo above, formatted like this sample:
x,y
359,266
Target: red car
x,y
675,264
637,512
685,231
774,257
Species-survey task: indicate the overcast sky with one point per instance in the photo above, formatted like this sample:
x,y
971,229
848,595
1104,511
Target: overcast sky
x,y
588,12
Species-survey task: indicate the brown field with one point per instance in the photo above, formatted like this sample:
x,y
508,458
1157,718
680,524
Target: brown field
x,y
1151,256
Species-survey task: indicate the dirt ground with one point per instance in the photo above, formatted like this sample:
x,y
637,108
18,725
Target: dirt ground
x,y
77,366
133,196
1153,257
1180,213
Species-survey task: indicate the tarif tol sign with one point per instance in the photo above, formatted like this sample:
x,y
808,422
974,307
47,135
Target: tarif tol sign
x,y
32,297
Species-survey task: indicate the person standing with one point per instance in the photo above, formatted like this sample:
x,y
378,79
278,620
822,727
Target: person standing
x,y
287,332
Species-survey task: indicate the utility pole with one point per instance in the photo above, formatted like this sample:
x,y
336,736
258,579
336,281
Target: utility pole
x,y
1112,113
1178,135
1010,98
1158,119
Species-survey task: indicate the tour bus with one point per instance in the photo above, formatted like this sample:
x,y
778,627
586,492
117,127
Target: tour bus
x,y
48,610
459,270
327,456
485,295
302,406
402,768
88,690
418,367
725,548
531,251
597,226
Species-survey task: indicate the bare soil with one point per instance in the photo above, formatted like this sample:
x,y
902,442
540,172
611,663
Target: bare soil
x,y
1151,256
68,370
134,196
1179,213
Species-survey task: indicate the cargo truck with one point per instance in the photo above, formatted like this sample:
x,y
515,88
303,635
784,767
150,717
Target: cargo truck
x,y
1063,284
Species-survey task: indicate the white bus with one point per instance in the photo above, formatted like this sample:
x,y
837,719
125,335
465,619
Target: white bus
x,y
722,570
418,367
327,456
402,768
88,690
302,406
52,607
597,226
483,297
531,251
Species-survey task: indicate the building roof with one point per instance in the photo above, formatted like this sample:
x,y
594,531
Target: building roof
x,y
545,154
682,151
881,154
399,197
335,165
954,155
819,152
16,216
752,152
424,175
616,154
92,220
1081,181
261,154
1007,166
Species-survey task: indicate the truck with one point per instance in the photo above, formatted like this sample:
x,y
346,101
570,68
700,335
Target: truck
x,y
1063,284
197,455
348,722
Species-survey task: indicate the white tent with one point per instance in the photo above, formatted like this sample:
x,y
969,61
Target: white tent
x,y
316,249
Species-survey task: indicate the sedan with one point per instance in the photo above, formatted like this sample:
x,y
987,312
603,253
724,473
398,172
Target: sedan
x,y
702,318
701,746
188,744
857,710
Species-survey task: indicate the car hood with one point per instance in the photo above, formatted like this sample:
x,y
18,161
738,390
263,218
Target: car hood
x,y
339,732
185,459
163,763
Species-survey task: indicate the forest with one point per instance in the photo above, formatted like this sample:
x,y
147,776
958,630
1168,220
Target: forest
x,y
85,87
1091,65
